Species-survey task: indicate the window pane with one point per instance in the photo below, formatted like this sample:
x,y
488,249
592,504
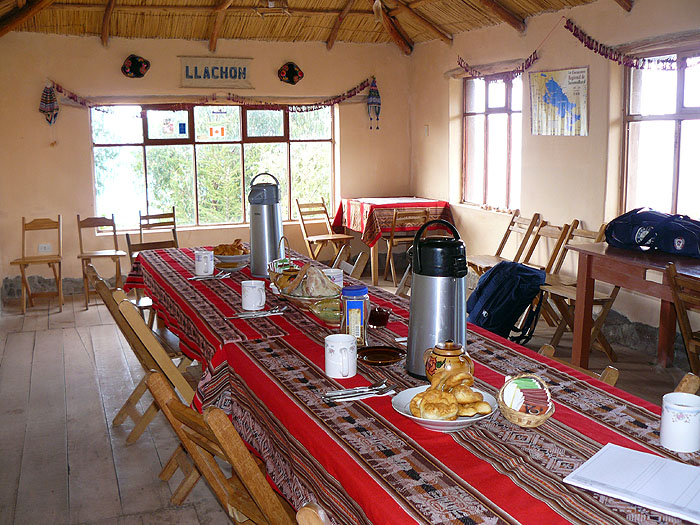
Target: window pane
x,y
268,158
117,125
650,165
497,93
689,176
653,92
515,159
219,183
310,124
516,97
217,123
476,95
497,160
691,88
265,123
170,176
167,124
311,173
119,184
475,158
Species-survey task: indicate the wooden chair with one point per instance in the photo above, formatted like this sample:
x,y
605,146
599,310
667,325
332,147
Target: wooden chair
x,y
245,494
690,384
609,375
518,225
686,296
158,221
562,292
403,217
53,260
315,243
404,286
86,256
353,270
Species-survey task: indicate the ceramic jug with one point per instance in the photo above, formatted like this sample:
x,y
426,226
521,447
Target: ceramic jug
x,y
447,355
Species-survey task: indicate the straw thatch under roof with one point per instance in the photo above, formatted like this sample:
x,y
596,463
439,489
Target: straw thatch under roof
x,y
362,21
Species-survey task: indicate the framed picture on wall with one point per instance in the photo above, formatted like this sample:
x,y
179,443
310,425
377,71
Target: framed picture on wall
x,y
559,102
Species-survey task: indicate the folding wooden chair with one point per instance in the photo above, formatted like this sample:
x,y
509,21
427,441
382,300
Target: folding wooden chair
x,y
353,270
403,218
246,494
404,286
53,260
690,384
86,257
518,225
158,221
315,243
686,296
609,375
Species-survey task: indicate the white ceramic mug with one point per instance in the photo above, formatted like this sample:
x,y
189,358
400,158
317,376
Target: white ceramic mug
x,y
335,275
253,295
203,262
680,422
341,356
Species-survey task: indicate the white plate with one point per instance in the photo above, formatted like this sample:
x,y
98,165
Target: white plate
x,y
231,269
232,258
401,402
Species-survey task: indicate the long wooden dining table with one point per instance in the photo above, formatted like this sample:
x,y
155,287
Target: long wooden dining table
x,y
364,462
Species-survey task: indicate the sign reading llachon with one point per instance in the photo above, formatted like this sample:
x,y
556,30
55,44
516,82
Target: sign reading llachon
x,y
215,72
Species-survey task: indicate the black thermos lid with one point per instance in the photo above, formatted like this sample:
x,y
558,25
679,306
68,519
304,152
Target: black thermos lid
x,y
439,256
264,192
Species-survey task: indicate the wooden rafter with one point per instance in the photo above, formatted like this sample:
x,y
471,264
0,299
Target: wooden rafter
x,y
402,8
218,21
21,4
105,21
417,3
625,4
19,16
505,14
336,24
396,32
199,10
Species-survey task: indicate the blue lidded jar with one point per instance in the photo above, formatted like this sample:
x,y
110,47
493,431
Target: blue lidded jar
x,y
355,305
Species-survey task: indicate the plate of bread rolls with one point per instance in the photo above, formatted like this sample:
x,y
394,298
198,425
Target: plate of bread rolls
x,y
448,404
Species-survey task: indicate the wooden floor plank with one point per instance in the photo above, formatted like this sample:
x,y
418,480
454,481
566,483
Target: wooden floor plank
x,y
63,319
37,317
15,374
42,496
94,492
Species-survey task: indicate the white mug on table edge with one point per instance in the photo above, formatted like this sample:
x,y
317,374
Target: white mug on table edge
x,y
680,422
341,355
335,275
253,295
203,262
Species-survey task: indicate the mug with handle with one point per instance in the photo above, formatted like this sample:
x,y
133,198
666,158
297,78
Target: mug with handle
x,y
341,355
203,262
253,295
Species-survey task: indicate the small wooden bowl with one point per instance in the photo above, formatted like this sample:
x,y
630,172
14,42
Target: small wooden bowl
x,y
520,418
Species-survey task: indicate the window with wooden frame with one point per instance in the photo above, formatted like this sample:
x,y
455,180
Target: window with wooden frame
x,y
492,138
201,160
661,158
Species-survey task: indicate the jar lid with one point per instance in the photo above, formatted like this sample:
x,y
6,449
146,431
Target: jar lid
x,y
449,348
355,291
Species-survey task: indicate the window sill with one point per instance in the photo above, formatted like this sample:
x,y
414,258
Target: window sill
x,y
483,207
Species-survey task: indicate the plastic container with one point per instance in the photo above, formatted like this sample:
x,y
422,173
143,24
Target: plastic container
x,y
355,307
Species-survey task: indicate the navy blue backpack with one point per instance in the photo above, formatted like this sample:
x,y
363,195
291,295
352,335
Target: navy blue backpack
x,y
502,296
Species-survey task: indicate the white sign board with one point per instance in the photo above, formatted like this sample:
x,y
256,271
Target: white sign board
x,y
215,72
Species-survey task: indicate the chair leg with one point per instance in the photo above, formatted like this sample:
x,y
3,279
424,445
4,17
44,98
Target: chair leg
x,y
25,289
86,284
118,277
386,263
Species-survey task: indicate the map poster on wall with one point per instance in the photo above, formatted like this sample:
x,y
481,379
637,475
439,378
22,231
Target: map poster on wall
x,y
559,102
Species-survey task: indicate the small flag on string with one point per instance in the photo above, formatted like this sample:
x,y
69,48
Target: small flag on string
x,y
49,105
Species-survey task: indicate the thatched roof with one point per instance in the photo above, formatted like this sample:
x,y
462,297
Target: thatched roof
x,y
328,21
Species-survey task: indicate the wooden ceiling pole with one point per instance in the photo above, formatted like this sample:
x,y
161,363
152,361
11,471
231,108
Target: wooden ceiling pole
x,y
105,21
218,21
20,4
402,8
625,4
19,16
336,25
418,3
396,32
505,14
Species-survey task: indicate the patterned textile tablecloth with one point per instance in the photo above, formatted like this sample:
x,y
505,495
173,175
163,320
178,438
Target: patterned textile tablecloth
x,y
364,462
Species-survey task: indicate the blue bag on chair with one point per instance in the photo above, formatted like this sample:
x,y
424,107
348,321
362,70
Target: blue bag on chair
x,y
502,295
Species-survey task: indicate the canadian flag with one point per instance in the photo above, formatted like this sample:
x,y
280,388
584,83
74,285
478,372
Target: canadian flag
x,y
216,131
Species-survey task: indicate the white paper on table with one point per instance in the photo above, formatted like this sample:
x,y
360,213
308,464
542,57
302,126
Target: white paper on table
x,y
644,479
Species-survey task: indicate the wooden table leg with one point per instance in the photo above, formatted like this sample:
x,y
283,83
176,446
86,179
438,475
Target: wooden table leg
x,y
583,320
667,334
374,252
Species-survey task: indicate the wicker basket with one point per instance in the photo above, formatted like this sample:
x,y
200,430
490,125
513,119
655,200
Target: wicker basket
x,y
519,418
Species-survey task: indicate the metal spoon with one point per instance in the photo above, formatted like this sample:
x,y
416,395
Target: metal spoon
x,y
373,386
379,392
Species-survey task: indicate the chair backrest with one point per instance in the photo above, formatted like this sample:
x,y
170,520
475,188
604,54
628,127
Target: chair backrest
x,y
313,210
158,221
521,226
353,270
212,435
43,224
690,384
133,248
685,291
96,222
609,375
155,350
577,236
404,217
404,287
558,234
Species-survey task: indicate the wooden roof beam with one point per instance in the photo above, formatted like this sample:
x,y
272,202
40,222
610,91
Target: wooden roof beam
x,y
417,3
402,8
505,14
625,4
19,16
336,24
21,4
105,21
396,32
220,14
199,10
